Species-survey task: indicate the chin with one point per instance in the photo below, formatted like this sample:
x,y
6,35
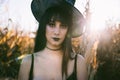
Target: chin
x,y
57,44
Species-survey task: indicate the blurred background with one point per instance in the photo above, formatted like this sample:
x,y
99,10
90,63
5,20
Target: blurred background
x,y
18,29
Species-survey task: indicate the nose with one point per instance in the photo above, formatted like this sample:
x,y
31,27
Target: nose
x,y
57,29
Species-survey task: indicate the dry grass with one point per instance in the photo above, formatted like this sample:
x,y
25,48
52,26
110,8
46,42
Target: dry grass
x,y
12,46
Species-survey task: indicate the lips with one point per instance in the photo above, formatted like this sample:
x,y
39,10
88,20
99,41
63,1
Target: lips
x,y
56,39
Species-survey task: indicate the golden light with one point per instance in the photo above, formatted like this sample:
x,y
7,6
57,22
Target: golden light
x,y
102,11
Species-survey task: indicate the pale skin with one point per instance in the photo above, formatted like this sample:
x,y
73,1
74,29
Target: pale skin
x,y
47,63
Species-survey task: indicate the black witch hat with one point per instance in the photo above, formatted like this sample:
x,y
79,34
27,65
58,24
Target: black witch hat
x,y
38,8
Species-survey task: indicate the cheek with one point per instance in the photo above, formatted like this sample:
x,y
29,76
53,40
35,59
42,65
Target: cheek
x,y
48,31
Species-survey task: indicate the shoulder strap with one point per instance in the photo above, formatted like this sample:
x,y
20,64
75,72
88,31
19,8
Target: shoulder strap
x,y
31,69
75,68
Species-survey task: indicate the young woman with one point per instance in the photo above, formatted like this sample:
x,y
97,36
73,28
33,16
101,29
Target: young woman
x,y
52,59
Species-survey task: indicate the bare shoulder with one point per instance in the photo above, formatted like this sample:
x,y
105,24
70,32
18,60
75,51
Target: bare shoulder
x,y
25,68
26,58
81,62
80,59
81,68
26,61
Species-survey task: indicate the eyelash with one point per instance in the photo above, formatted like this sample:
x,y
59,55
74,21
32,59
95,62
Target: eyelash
x,y
63,26
53,25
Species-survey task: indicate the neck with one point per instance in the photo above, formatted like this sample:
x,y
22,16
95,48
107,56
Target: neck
x,y
57,49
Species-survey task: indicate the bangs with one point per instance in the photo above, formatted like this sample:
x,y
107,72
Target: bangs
x,y
58,14
60,18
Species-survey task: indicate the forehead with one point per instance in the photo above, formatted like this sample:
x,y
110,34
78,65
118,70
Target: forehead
x,y
57,17
56,22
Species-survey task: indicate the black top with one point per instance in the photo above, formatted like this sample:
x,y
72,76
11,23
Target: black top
x,y
73,76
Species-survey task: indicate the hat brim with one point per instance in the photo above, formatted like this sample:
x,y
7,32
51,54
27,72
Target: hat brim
x,y
38,8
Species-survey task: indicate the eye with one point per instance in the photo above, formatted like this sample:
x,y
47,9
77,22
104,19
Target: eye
x,y
51,24
64,26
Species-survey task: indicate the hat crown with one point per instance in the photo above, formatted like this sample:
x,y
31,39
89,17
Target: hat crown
x,y
40,6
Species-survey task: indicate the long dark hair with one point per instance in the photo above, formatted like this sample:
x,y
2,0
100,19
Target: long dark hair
x,y
63,14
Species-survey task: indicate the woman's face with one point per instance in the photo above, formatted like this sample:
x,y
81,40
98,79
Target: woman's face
x,y
55,33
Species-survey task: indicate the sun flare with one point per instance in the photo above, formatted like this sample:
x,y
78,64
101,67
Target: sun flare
x,y
102,11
